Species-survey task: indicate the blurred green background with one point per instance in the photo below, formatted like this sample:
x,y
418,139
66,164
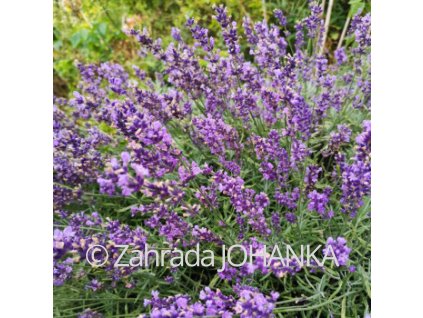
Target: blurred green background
x,y
92,31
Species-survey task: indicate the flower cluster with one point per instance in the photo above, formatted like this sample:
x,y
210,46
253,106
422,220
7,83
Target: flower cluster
x,y
76,157
217,135
248,303
318,202
70,245
339,248
356,176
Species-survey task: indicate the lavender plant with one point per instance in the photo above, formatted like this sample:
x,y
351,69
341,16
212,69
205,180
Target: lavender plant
x,y
225,145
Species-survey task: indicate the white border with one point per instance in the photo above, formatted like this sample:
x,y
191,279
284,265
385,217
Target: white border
x,y
397,123
26,64
26,158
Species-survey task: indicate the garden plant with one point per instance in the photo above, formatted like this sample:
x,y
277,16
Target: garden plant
x,y
254,136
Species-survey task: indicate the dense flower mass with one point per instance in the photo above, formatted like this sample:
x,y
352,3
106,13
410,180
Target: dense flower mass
x,y
250,303
228,144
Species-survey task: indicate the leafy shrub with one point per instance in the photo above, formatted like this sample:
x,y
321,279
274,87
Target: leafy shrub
x,y
222,146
